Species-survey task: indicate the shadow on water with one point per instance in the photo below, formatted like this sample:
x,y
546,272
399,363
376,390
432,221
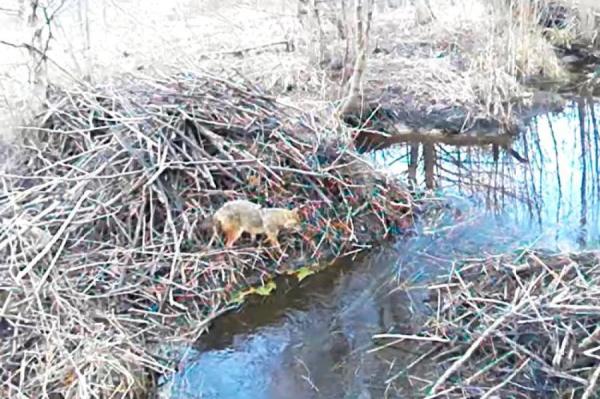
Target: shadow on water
x,y
314,339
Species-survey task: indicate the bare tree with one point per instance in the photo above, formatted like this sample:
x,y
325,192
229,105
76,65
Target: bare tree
x,y
309,15
353,104
37,18
32,14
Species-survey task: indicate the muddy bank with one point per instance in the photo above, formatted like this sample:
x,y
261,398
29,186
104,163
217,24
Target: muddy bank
x,y
456,125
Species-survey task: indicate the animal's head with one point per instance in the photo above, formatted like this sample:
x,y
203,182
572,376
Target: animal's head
x,y
294,219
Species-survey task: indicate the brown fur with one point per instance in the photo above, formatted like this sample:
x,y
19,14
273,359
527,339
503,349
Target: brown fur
x,y
239,216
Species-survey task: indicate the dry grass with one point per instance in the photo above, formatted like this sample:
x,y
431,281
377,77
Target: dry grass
x,y
103,39
473,55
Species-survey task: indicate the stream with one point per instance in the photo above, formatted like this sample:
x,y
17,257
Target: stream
x,y
314,339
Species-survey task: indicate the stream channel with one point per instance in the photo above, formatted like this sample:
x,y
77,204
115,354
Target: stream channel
x,y
314,339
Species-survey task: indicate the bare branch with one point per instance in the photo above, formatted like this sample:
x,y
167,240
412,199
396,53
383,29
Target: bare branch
x,y
30,48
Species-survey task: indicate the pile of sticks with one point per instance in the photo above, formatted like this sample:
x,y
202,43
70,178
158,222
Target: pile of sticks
x,y
104,254
523,326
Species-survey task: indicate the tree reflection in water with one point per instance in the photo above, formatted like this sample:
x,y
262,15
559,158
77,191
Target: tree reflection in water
x,y
548,180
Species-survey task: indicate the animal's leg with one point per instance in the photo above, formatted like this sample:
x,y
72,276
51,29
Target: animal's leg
x,y
233,237
272,237
228,234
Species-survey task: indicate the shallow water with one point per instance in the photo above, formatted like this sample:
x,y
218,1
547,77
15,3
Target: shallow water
x,y
314,339
553,198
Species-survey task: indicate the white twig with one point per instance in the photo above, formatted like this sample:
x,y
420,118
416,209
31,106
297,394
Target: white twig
x,y
590,390
457,364
512,375
55,238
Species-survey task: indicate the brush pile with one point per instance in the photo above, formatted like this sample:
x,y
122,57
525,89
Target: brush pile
x,y
522,327
104,256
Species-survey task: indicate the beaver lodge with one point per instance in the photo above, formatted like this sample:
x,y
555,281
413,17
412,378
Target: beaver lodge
x,y
117,184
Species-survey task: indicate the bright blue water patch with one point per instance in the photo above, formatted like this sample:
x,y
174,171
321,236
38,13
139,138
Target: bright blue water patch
x,y
552,200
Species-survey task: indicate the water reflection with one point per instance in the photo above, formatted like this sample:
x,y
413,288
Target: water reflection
x,y
547,182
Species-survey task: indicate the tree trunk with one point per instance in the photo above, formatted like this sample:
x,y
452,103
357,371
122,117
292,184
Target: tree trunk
x,y
353,104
